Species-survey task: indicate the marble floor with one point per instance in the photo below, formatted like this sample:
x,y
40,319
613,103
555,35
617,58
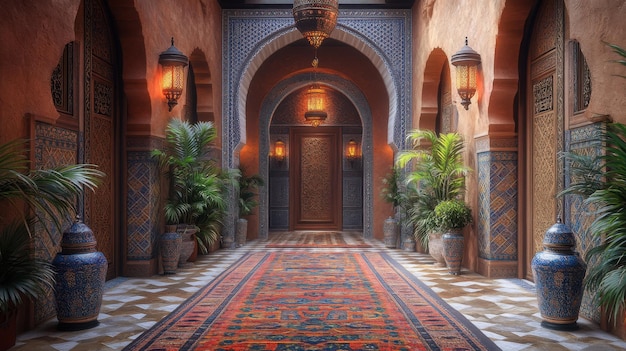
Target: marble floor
x,y
504,309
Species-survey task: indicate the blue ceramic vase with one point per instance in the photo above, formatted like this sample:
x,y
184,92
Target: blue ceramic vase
x,y
559,271
81,274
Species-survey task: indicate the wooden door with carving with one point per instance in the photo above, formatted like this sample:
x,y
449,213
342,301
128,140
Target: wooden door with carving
x,y
316,182
544,125
101,124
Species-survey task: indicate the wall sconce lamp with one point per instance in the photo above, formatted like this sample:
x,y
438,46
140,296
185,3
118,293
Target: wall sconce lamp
x,y
173,63
315,113
466,61
352,151
279,151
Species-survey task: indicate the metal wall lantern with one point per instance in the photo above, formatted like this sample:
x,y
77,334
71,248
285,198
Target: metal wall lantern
x,y
315,113
352,150
466,61
173,64
279,150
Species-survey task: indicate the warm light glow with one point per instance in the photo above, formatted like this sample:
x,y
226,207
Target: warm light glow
x,y
466,62
173,64
315,19
315,113
352,150
279,150
315,99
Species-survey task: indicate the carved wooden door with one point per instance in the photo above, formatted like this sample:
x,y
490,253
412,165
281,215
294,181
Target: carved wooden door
x,y
544,124
316,182
100,116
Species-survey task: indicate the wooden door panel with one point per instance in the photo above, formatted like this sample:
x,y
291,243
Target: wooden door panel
x,y
316,185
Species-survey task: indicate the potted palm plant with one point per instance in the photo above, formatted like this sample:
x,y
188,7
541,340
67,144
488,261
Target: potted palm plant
x,y
247,202
196,185
51,196
451,217
439,175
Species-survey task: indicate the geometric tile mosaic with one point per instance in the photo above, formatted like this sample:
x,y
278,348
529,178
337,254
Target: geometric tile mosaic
x,y
586,141
247,32
142,206
53,146
497,205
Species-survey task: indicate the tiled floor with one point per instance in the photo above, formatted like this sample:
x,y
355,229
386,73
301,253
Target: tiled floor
x,y
504,309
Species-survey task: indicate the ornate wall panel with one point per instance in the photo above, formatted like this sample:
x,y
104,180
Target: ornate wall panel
x,y
142,206
584,140
544,177
62,81
498,213
53,146
247,32
497,179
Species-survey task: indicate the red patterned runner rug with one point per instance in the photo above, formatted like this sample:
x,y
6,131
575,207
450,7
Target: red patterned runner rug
x,y
316,240
314,301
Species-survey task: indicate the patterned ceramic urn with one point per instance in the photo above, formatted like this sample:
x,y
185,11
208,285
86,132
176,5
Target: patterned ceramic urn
x,y
559,273
170,243
81,273
453,244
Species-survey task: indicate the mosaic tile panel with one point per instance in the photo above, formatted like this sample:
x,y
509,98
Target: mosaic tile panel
x,y
497,205
247,32
142,206
53,146
583,140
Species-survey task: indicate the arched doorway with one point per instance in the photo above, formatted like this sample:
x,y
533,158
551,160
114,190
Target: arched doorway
x,y
316,186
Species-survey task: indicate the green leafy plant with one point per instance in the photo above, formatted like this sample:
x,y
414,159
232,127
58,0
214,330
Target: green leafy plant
x,y
452,214
247,194
391,189
51,196
438,175
601,180
197,185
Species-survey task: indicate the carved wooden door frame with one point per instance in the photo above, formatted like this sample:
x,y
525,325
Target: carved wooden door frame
x,y
299,216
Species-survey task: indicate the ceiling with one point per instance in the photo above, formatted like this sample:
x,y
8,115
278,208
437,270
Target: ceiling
x,y
347,4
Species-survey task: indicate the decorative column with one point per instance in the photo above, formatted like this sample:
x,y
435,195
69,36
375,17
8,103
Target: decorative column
x,y
143,221
497,215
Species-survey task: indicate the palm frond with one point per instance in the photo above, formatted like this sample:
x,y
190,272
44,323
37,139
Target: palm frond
x,y
21,274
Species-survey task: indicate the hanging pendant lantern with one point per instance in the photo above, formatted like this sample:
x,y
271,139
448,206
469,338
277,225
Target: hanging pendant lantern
x,y
315,113
315,19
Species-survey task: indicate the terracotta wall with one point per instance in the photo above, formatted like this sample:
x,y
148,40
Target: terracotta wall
x,y
495,30
591,23
26,65
144,28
